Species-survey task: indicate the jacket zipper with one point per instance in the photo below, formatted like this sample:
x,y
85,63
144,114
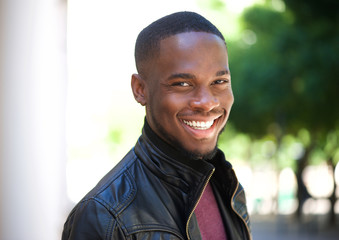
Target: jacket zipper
x,y
248,230
196,204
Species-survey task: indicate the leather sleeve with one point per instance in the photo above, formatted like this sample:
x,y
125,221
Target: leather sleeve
x,y
90,220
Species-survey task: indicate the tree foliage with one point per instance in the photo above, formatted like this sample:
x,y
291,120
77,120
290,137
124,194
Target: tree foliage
x,y
285,73
289,75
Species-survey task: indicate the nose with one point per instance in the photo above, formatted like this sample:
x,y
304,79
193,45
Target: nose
x,y
204,100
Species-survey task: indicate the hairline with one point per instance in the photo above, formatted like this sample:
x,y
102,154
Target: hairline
x,y
155,50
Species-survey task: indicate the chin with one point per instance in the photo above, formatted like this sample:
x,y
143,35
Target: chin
x,y
197,154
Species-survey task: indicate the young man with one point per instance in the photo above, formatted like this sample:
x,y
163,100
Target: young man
x,y
175,183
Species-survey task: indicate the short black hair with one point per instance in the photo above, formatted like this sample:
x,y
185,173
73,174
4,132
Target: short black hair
x,y
148,41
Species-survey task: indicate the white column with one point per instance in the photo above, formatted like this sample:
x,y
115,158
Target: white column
x,y
32,119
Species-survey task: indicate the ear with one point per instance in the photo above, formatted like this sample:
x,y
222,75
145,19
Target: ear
x,y
139,89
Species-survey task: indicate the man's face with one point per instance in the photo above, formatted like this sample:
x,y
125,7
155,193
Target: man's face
x,y
188,94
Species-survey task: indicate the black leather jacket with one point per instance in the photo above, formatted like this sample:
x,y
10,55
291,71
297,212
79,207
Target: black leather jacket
x,y
152,193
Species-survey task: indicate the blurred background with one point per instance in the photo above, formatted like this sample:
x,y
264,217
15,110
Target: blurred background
x,y
68,114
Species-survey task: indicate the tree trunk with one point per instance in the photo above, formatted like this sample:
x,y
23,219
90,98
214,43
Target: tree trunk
x,y
302,192
332,198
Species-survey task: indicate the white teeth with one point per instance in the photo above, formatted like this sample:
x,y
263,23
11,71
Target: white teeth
x,y
199,125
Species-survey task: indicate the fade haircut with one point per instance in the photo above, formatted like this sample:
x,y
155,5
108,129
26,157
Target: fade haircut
x,y
148,42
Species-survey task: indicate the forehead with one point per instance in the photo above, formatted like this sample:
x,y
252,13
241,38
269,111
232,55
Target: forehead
x,y
192,49
199,44
190,39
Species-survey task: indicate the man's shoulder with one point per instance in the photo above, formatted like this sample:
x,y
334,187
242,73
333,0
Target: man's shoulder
x,y
117,188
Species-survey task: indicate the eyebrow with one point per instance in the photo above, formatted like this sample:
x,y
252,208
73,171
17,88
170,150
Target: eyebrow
x,y
191,76
222,72
181,75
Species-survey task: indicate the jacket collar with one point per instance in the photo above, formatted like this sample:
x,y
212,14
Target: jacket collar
x,y
175,155
169,164
217,158
163,158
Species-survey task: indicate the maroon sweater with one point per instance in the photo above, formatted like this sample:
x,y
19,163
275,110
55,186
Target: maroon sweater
x,y
209,218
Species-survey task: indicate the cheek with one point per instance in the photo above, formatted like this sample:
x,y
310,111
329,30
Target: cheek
x,y
231,99
227,100
172,103
161,108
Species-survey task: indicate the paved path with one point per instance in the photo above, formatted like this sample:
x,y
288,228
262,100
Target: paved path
x,y
285,227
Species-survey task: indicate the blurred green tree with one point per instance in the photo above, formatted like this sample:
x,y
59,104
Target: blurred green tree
x,y
285,71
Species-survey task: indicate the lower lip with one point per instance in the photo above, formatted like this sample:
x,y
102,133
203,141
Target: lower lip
x,y
202,133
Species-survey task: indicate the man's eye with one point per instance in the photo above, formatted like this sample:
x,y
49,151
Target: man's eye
x,y
221,81
181,84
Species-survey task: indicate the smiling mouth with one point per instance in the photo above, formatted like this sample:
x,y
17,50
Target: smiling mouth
x,y
199,125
